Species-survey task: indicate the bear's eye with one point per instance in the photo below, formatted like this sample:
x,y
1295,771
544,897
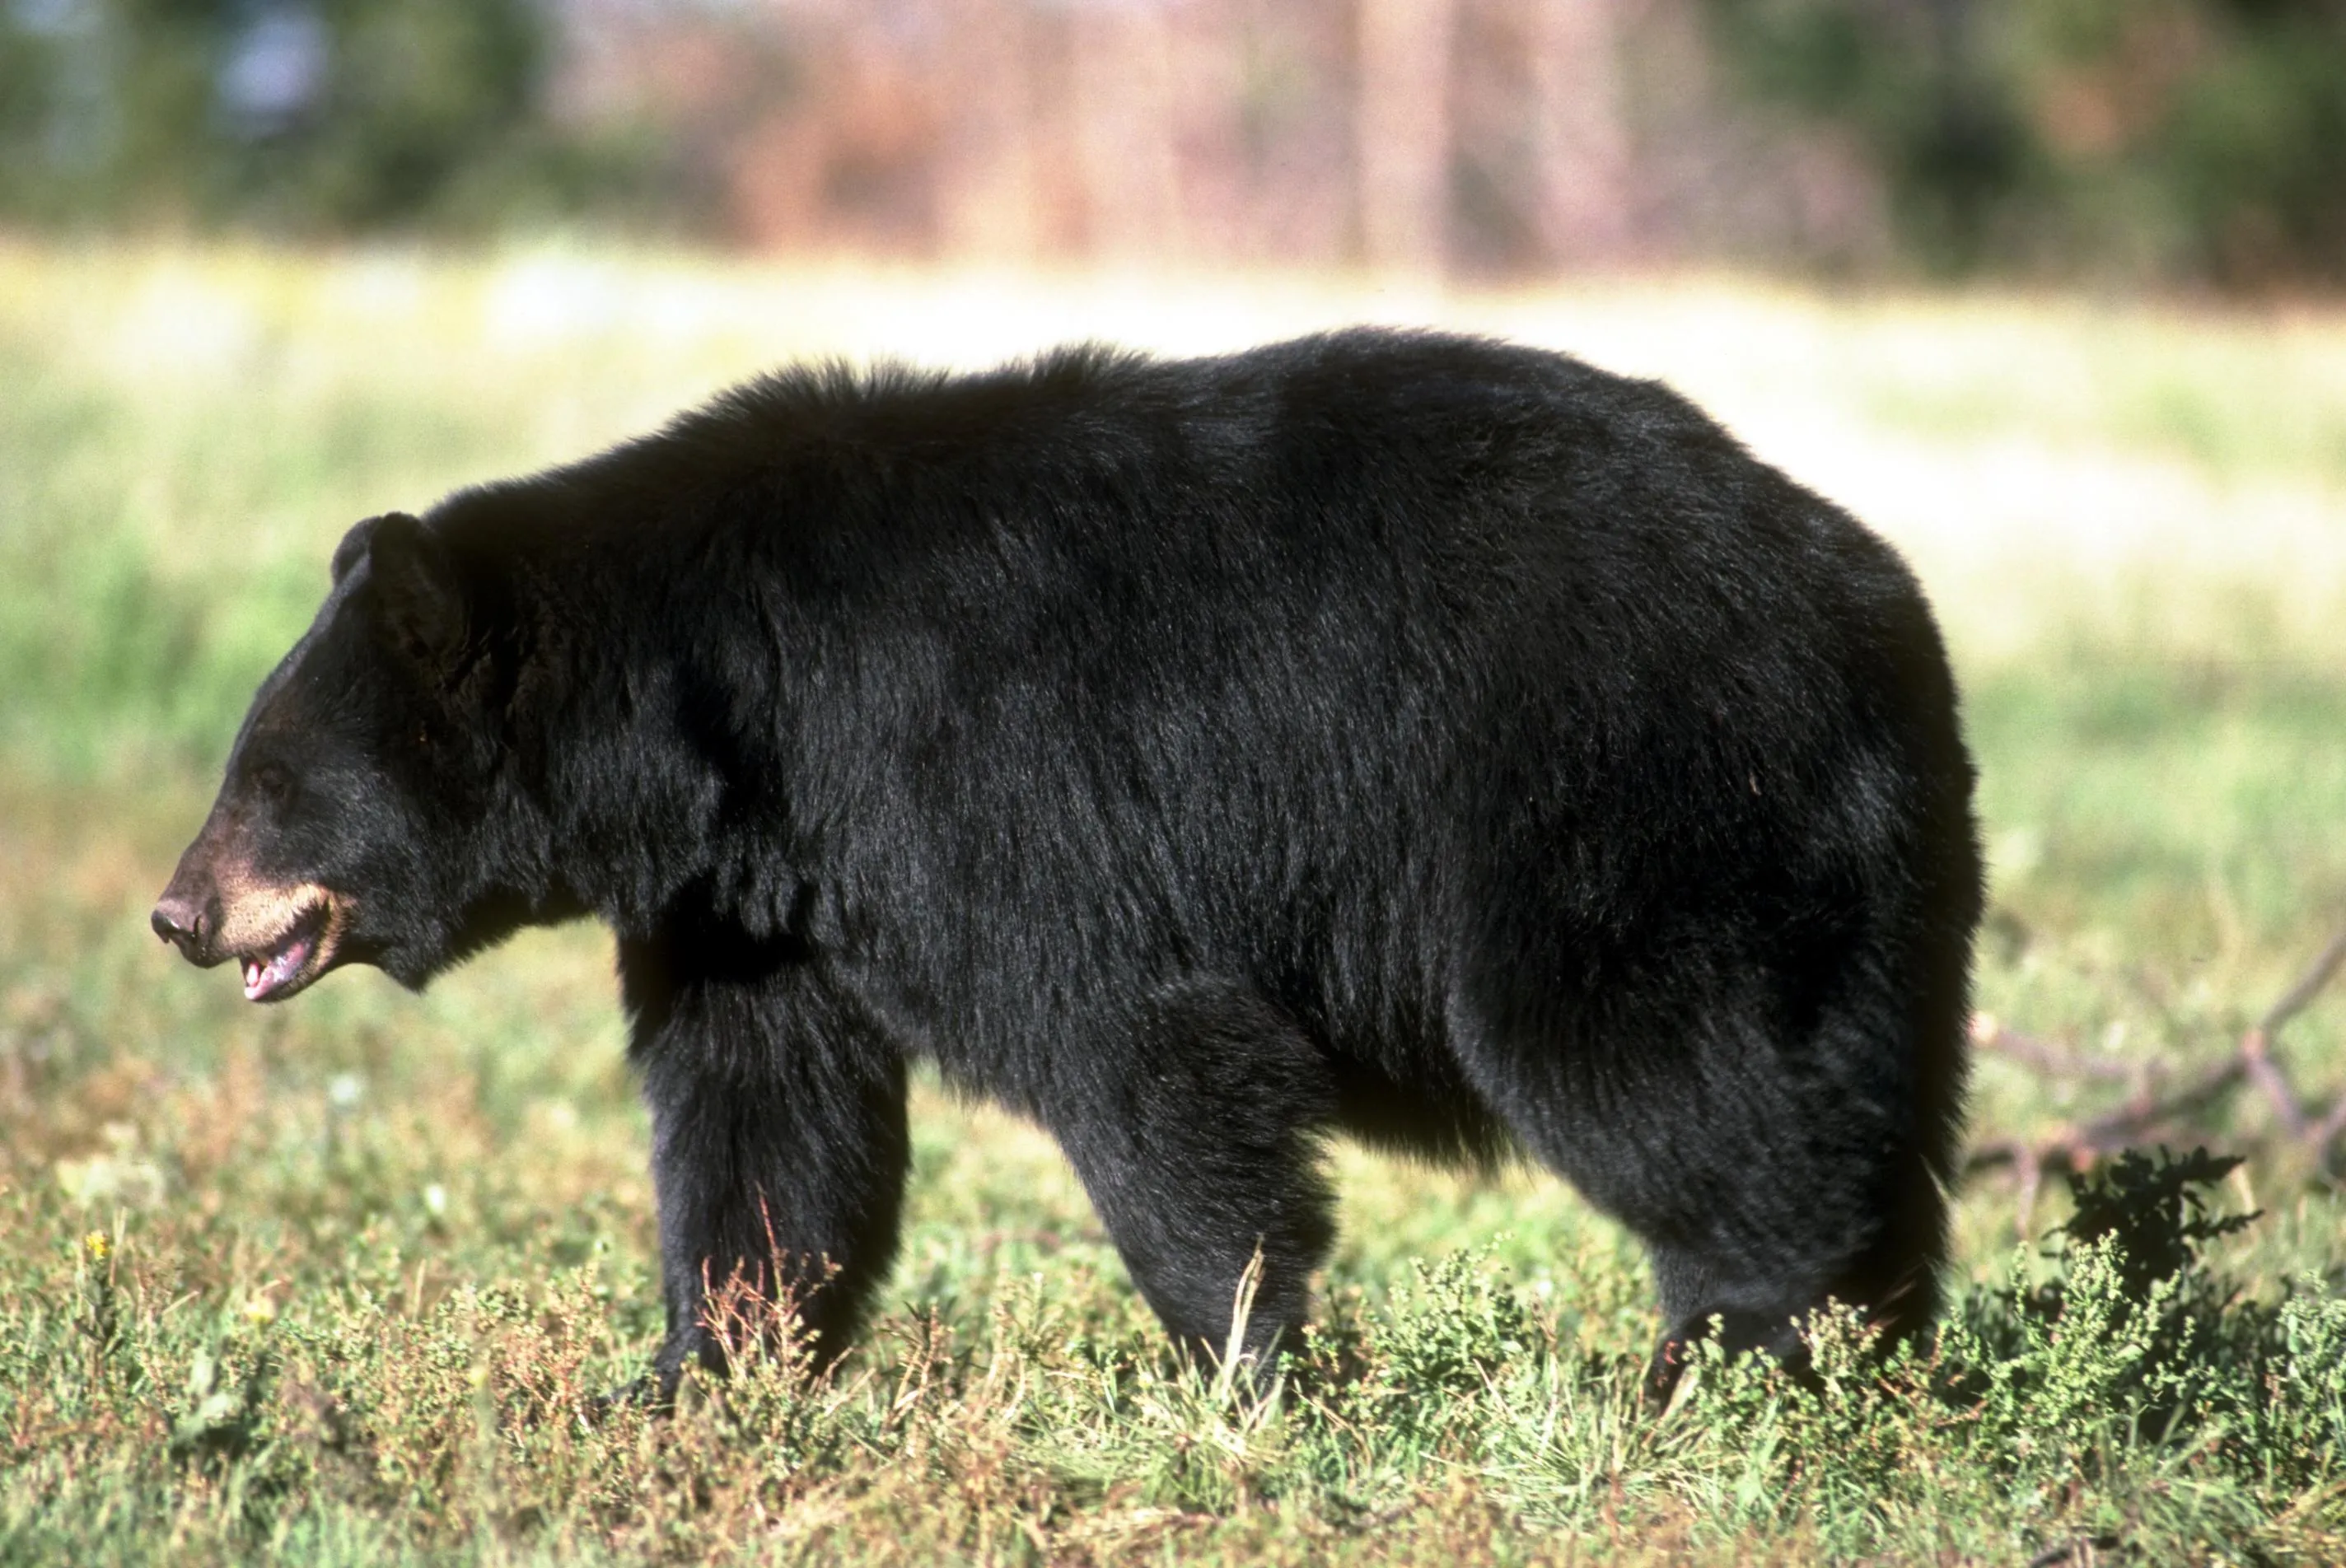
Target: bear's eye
x,y
273,782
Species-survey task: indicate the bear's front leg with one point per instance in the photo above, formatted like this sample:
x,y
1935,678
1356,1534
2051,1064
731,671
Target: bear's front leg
x,y
779,1148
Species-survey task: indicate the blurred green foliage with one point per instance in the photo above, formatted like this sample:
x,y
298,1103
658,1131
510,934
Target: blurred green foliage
x,y
296,116
2176,140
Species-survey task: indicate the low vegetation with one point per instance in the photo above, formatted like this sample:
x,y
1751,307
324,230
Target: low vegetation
x,y
342,1281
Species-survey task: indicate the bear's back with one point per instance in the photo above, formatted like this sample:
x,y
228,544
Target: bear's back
x,y
1300,662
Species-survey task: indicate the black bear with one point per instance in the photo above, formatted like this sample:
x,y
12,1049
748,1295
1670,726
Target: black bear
x,y
1414,737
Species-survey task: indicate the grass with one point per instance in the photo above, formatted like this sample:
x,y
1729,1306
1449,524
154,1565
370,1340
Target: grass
x,y
329,1283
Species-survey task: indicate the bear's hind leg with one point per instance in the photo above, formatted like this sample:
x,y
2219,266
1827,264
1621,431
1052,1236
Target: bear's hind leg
x,y
1717,1286
1197,1136
1767,1167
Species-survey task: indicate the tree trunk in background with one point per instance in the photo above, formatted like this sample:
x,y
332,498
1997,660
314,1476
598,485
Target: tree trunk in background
x,y
989,190
1587,211
1402,120
1124,113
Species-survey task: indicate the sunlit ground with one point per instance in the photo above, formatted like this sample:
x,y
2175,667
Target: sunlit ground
x,y
2132,520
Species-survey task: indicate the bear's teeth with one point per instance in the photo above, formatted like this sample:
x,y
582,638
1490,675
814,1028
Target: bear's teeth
x,y
264,975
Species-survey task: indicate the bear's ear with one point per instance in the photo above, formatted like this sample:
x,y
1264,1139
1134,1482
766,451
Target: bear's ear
x,y
419,590
353,547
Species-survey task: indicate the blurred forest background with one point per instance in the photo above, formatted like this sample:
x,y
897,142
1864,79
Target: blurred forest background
x,y
2197,144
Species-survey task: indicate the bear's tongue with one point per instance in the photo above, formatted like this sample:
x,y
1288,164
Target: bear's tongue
x,y
263,976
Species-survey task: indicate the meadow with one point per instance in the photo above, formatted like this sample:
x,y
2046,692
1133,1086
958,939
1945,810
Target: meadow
x,y
334,1282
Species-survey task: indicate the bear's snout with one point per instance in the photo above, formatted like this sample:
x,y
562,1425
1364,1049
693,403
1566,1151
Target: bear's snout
x,y
283,935
178,922
187,918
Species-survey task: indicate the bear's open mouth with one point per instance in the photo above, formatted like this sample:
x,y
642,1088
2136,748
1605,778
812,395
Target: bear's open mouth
x,y
293,959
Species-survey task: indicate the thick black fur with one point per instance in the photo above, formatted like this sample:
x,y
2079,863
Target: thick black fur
x,y
1420,738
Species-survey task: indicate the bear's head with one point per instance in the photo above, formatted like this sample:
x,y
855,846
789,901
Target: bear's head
x,y
358,821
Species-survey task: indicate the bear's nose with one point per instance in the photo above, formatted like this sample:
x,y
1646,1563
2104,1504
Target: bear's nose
x,y
179,921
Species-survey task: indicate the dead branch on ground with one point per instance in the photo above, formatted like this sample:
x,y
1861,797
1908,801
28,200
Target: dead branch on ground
x,y
2156,1103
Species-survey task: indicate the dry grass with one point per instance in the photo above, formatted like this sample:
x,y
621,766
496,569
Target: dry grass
x,y
368,1253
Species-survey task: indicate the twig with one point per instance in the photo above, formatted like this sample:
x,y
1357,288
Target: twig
x,y
2326,1131
2256,1046
2075,1145
2256,1061
2309,986
1990,1034
2141,1110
